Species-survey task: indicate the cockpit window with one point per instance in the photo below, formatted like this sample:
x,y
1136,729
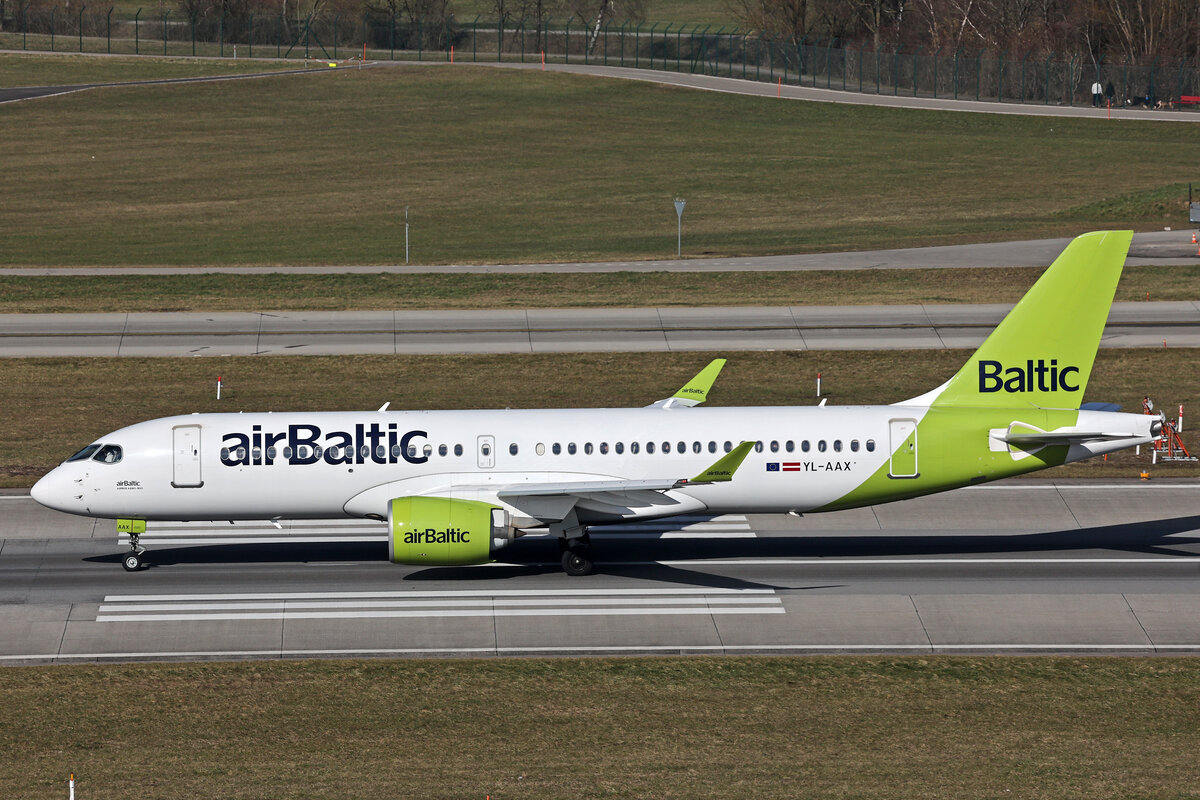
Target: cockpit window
x,y
108,454
85,453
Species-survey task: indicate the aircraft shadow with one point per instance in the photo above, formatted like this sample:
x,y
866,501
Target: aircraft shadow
x,y
636,559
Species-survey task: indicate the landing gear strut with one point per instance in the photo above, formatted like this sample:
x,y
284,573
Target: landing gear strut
x,y
134,560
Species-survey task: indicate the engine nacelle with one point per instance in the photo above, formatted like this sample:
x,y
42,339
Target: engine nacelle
x,y
440,531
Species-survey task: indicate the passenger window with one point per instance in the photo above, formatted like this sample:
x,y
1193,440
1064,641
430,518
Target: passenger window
x,y
633,447
619,447
666,448
870,445
854,445
696,448
412,451
84,454
712,447
650,447
540,449
837,445
774,446
108,454
789,445
682,447
395,451
485,449
571,448
804,445
365,451
287,452
556,448
317,451
512,449
758,447
821,445
587,448
458,449
256,453
441,449
728,446
604,448
427,450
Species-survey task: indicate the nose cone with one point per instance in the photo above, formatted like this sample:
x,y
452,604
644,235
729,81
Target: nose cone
x,y
52,490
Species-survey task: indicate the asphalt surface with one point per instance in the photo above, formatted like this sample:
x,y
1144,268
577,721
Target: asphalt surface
x,y
1018,567
1151,248
1150,324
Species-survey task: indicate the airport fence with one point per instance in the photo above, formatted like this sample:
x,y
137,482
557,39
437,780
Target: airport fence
x,y
710,50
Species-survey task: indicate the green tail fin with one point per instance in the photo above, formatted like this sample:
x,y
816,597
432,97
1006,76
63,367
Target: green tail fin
x,y
1041,354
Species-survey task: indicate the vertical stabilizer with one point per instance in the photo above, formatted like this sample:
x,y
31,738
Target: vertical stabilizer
x,y
1041,354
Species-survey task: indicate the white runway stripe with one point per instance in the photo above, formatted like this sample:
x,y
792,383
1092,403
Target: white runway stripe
x,y
382,605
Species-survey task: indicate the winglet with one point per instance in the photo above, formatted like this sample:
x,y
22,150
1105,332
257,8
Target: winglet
x,y
695,391
725,467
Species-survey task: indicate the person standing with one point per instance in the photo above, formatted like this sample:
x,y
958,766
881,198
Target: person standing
x,y
1097,94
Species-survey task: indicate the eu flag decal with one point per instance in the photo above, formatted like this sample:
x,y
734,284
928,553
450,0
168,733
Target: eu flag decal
x,y
772,466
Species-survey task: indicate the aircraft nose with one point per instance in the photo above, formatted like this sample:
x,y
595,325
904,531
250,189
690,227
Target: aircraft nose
x,y
51,490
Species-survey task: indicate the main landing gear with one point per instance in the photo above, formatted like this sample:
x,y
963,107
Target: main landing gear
x,y
135,559
574,544
577,555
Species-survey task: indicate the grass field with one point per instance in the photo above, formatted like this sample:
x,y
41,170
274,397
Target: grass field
x,y
30,69
848,727
279,292
502,166
55,406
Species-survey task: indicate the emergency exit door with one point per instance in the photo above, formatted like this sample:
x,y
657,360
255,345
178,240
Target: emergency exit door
x,y
187,456
487,452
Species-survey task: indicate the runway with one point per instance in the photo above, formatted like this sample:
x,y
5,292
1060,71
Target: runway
x,y
925,327
1025,566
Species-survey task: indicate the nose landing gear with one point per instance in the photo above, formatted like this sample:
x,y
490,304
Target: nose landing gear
x,y
134,560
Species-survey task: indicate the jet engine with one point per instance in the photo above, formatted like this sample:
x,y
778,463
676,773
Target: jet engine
x,y
440,531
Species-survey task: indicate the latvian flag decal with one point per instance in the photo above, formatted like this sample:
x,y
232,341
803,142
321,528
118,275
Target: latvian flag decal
x,y
786,466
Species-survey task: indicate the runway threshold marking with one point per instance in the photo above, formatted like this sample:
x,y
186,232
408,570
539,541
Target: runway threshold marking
x,y
380,605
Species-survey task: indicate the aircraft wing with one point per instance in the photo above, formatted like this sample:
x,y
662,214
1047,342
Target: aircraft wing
x,y
555,500
695,391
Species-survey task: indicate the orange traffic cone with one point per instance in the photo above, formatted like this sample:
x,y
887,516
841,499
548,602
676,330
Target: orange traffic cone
x,y
1194,237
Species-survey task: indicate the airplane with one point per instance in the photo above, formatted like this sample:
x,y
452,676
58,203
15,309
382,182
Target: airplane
x,y
456,486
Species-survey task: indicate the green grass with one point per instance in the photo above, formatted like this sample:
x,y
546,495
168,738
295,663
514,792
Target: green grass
x,y
504,166
53,407
30,69
281,292
845,727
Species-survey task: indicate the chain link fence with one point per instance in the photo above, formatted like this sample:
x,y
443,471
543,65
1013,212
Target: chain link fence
x,y
1055,79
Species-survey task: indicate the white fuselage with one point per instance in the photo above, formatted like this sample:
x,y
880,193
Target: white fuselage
x,y
268,465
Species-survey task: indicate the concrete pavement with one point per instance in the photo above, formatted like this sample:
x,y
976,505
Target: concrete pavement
x,y
1147,324
1024,566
